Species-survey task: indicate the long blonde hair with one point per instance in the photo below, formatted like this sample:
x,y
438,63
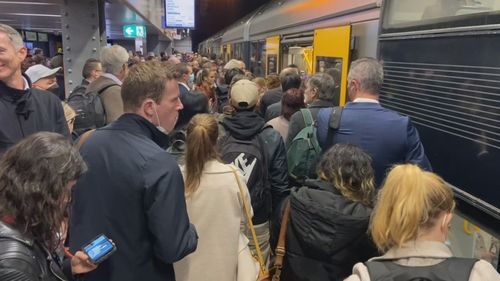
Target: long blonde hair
x,y
409,203
202,133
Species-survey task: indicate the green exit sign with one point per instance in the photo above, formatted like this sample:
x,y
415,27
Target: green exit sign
x,y
133,31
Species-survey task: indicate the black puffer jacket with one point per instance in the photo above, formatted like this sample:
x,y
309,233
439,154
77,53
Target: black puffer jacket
x,y
22,259
326,235
244,125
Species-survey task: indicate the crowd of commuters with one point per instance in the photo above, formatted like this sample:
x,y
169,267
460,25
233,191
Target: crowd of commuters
x,y
181,161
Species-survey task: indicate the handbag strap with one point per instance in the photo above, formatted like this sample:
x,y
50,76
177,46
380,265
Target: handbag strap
x,y
82,139
280,248
263,268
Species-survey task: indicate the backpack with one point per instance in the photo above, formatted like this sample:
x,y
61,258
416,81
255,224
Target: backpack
x,y
249,157
177,145
452,269
88,107
304,151
327,122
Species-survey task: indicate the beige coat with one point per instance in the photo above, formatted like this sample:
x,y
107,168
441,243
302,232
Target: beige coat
x,y
217,213
111,98
425,253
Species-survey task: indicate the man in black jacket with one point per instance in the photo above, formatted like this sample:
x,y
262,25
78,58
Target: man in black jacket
x,y
134,192
247,126
23,110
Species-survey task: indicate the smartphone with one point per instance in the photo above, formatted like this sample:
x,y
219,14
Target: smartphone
x,y
99,249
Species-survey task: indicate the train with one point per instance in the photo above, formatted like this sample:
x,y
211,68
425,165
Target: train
x,y
441,68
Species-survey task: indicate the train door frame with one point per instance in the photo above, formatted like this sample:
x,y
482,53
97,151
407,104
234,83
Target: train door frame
x,y
273,53
324,49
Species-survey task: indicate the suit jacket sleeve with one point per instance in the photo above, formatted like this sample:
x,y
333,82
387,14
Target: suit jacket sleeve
x,y
415,153
165,206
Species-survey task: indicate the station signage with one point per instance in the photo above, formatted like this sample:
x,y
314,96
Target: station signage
x,y
179,13
134,31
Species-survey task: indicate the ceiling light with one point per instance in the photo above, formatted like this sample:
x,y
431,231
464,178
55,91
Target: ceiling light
x,y
27,3
33,15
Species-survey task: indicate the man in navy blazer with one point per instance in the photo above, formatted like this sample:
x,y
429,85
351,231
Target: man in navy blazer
x,y
193,103
387,136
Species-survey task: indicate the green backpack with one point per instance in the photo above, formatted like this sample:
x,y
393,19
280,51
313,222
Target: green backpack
x,y
304,151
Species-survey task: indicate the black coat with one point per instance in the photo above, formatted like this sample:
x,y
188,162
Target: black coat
x,y
326,235
23,259
193,103
134,194
270,97
25,112
246,124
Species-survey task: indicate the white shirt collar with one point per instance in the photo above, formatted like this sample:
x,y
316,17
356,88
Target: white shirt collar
x,y
185,85
26,84
112,77
365,100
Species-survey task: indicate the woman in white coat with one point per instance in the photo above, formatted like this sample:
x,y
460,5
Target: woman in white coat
x,y
214,206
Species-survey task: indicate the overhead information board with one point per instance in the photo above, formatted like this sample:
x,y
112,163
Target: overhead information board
x,y
179,13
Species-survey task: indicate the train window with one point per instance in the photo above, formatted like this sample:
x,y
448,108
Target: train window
x,y
299,56
257,58
324,63
407,13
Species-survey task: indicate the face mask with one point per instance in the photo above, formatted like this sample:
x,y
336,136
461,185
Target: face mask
x,y
159,127
191,78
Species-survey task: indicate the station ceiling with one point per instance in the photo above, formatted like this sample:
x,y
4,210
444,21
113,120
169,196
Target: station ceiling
x,y
45,16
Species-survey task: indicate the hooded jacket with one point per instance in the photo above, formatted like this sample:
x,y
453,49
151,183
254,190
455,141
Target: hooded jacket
x,y
25,112
245,125
326,234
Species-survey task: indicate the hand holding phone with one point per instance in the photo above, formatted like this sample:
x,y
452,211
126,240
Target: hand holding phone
x,y
99,249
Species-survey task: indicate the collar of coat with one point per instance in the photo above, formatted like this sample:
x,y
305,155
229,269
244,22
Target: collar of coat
x,y
138,125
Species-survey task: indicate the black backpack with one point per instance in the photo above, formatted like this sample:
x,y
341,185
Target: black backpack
x,y
249,157
177,145
451,269
89,109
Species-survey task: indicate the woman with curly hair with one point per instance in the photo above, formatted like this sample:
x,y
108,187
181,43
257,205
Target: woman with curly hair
x,y
329,217
36,177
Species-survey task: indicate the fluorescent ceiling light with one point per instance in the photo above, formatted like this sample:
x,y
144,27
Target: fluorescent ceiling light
x,y
27,3
33,15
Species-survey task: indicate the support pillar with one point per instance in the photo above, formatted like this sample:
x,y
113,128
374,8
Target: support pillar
x,y
83,33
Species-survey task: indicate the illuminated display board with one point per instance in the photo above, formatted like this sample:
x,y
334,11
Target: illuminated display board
x,y
179,13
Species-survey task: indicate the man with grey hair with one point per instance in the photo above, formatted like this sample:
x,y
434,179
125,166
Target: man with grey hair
x,y
114,61
387,136
319,93
23,109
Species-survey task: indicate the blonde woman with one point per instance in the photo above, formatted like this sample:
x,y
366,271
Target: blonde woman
x,y
410,224
70,115
214,206
327,232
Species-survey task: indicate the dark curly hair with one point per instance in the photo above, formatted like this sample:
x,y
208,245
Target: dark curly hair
x,y
34,179
349,169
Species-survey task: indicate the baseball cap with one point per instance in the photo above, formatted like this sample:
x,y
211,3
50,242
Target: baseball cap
x,y
38,71
244,94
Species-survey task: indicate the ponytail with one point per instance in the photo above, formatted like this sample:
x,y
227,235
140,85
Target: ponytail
x,y
202,133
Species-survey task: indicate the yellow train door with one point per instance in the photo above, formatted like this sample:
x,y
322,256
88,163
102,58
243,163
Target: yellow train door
x,y
272,54
331,50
